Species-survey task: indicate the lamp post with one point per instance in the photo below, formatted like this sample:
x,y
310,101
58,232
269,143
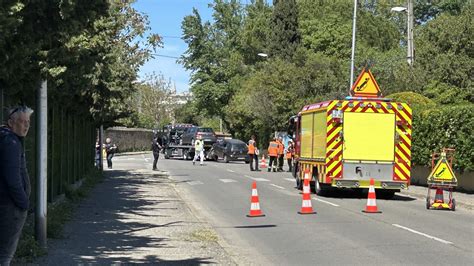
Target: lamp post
x,y
410,18
353,45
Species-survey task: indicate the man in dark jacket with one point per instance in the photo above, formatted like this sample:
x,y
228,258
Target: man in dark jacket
x,y
15,185
156,147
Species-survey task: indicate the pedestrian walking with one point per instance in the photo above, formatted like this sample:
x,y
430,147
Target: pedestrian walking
x,y
156,148
253,153
15,185
290,150
199,150
273,154
281,154
110,149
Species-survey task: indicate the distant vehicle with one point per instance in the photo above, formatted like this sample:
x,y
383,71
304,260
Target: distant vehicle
x,y
172,133
229,150
206,133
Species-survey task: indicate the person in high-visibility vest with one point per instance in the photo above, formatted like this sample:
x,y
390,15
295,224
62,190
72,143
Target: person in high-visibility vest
x,y
273,153
253,153
281,154
290,151
199,150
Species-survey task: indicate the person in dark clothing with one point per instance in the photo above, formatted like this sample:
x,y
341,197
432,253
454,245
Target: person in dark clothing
x,y
15,185
155,147
110,150
97,154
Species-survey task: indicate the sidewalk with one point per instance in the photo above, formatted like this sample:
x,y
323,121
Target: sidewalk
x,y
135,217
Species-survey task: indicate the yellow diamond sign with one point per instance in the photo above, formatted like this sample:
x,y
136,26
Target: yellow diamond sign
x,y
366,86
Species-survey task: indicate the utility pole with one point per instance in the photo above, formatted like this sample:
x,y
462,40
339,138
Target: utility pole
x,y
42,165
353,45
410,44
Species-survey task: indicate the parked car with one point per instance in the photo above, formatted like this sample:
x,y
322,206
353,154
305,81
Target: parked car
x,y
206,133
229,150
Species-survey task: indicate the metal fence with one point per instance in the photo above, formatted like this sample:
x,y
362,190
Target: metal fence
x,y
71,146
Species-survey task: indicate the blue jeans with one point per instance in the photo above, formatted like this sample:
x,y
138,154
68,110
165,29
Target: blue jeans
x,y
12,220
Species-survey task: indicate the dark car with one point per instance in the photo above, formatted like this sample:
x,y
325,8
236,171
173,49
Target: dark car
x,y
172,133
229,150
192,133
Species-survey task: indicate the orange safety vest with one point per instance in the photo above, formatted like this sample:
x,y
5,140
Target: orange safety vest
x,y
273,149
251,147
289,154
281,148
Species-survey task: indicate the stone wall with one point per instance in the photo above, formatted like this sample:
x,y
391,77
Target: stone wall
x,y
130,139
419,175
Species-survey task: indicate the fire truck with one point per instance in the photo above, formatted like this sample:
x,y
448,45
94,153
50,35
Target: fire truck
x,y
345,143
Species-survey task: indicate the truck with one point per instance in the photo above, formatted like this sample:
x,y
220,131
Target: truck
x,y
345,143
173,145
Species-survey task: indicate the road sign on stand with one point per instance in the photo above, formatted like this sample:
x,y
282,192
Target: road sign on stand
x,y
366,86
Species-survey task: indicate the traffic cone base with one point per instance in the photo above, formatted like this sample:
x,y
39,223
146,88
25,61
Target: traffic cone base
x,y
371,206
439,197
255,203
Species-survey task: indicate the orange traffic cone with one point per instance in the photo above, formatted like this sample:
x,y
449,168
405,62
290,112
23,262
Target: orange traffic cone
x,y
263,162
439,197
306,207
371,199
254,203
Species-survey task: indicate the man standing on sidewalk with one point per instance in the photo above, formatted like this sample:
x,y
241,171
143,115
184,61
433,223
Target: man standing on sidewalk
x,y
15,185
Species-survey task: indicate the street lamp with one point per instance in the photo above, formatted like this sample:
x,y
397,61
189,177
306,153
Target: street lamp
x,y
410,44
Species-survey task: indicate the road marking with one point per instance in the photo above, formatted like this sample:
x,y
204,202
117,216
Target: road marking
x,y
327,202
277,186
258,178
290,179
232,171
227,180
193,183
423,234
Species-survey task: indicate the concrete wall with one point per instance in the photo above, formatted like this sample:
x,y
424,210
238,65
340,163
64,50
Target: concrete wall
x,y
419,175
130,139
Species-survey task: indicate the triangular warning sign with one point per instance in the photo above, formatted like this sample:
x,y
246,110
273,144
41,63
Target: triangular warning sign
x,y
442,172
366,86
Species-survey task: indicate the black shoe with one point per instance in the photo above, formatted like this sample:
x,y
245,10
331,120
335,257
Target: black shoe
x,y
258,170
274,170
269,170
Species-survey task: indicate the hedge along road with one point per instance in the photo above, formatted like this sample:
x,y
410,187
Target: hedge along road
x,y
405,233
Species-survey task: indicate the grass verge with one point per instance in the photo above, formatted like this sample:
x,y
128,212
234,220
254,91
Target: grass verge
x,y
59,213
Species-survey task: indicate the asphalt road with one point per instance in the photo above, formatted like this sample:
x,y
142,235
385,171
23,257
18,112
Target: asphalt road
x,y
338,234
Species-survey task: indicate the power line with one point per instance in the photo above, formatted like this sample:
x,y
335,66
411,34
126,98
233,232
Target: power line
x,y
167,56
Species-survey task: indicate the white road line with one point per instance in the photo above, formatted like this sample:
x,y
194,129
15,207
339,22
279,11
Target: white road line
x,y
327,202
227,180
193,183
290,179
423,234
258,178
232,171
277,186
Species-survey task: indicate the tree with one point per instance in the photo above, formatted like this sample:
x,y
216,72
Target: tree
x,y
285,37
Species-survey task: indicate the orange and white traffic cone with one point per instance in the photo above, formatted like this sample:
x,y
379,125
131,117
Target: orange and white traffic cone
x,y
371,199
263,162
439,197
254,203
306,207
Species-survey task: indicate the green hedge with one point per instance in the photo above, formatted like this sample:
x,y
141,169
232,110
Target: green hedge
x,y
449,126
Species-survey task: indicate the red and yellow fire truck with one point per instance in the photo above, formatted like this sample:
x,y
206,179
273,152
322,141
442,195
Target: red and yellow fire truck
x,y
345,143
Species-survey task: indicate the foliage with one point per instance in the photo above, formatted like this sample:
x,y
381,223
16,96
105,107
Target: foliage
x,y
284,36
417,102
447,127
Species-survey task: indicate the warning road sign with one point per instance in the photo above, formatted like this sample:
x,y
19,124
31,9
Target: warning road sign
x,y
442,172
366,86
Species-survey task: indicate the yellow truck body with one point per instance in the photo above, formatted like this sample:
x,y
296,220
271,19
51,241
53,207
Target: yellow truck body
x,y
345,143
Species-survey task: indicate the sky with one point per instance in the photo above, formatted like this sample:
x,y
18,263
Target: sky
x,y
165,18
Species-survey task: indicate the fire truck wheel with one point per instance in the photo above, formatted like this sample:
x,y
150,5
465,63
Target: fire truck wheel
x,y
428,204
319,189
453,205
